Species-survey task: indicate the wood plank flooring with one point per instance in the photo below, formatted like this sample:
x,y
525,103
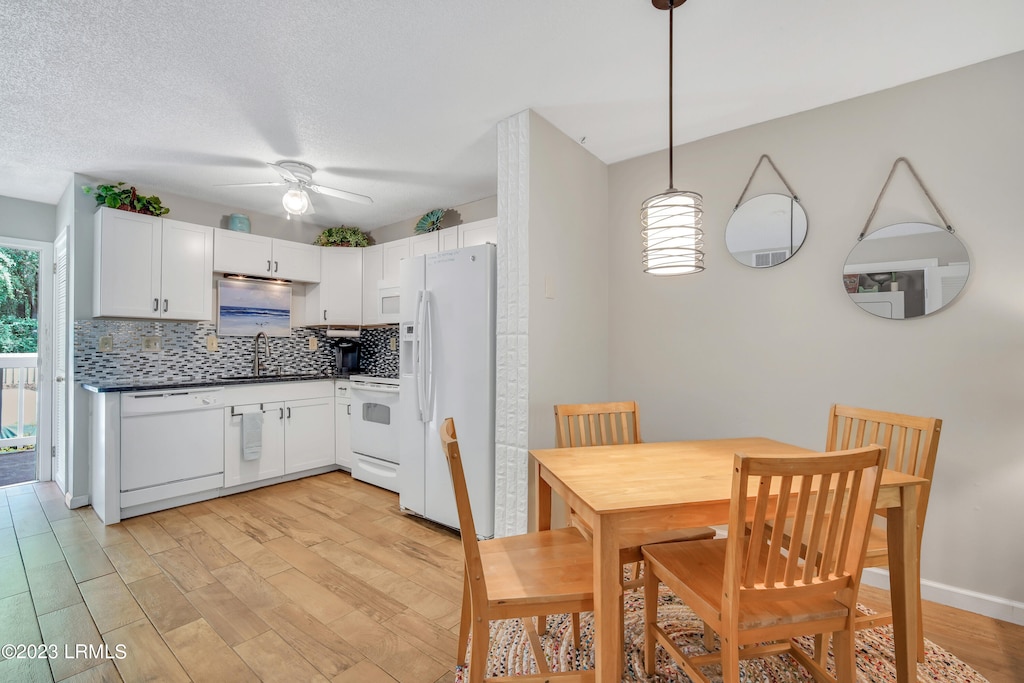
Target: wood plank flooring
x,y
321,579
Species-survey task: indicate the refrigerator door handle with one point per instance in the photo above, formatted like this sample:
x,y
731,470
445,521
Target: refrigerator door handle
x,y
418,355
428,359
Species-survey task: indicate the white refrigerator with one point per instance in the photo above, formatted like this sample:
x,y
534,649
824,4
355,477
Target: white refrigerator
x,y
446,369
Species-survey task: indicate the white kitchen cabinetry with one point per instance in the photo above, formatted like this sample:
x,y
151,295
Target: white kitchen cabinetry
x,y
308,434
337,299
343,424
241,253
237,470
478,232
392,255
373,268
151,267
424,244
448,238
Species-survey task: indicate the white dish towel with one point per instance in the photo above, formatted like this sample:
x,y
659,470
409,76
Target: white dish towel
x,y
252,435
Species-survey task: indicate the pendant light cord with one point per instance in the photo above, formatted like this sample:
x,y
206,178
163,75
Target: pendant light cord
x,y
671,61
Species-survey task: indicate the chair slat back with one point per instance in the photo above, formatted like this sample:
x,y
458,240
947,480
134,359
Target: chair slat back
x,y
912,441
597,424
474,565
807,520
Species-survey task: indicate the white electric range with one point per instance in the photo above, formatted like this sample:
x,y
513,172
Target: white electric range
x,y
375,430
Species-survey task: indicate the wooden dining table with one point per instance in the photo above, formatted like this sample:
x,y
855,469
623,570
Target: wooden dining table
x,y
624,489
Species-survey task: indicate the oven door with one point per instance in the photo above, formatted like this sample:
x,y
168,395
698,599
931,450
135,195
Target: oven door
x,y
375,420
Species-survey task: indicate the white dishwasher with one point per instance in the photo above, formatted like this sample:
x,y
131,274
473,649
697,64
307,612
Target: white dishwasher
x,y
172,444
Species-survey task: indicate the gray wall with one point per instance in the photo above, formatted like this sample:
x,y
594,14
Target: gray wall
x,y
463,213
26,220
738,351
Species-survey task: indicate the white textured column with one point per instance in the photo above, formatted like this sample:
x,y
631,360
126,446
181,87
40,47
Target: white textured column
x,y
512,387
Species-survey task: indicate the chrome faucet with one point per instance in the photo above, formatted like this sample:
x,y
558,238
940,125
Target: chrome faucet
x,y
257,365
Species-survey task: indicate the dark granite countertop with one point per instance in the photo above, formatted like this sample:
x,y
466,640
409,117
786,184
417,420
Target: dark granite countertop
x,y
122,385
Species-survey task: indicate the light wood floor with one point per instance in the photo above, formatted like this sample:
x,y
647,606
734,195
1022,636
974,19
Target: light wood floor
x,y
318,579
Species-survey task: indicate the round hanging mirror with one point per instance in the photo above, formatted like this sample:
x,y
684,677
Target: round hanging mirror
x,y
766,230
906,270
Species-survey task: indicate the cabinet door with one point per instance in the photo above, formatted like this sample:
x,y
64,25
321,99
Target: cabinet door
x,y
373,271
448,238
424,244
242,253
308,434
478,232
126,281
271,461
393,253
296,261
343,433
186,271
341,285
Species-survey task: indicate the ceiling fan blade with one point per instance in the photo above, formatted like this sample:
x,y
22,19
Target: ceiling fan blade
x,y
285,173
340,194
252,184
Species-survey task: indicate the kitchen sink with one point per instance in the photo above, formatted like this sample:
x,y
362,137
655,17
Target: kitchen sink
x,y
271,377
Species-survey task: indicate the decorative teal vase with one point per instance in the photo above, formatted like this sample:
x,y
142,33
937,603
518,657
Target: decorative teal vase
x,y
239,222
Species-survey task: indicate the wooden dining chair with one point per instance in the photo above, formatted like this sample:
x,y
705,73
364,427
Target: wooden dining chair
x,y
540,573
912,443
606,424
755,588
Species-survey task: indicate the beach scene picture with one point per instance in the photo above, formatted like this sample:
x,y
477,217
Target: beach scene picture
x,y
246,307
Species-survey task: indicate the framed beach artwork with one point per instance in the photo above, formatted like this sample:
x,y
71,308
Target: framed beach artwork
x,y
247,307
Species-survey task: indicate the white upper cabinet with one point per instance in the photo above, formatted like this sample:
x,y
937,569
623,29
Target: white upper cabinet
x,y
448,238
424,244
393,253
337,299
151,267
373,268
241,253
478,232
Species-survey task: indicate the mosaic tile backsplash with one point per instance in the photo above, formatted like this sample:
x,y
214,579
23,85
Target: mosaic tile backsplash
x,y
183,355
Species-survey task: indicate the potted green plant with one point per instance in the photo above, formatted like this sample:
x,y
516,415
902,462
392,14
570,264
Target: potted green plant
x,y
342,236
126,199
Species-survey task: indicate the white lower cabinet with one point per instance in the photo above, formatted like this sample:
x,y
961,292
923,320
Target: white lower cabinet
x,y
308,434
270,463
343,425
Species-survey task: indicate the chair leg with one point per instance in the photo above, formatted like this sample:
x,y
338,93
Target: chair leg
x,y
920,621
820,648
730,658
708,637
650,620
576,630
479,648
844,653
542,624
464,624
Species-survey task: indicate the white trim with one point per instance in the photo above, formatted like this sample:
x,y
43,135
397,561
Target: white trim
x,y
960,598
75,501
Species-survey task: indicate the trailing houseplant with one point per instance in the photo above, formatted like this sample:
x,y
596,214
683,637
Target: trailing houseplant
x,y
342,236
126,199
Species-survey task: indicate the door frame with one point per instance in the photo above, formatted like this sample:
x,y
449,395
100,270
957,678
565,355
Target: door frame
x,y
44,349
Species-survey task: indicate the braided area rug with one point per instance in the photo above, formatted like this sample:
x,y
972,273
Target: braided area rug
x,y
510,652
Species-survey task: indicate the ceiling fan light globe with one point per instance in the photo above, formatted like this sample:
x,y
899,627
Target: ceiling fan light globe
x,y
295,201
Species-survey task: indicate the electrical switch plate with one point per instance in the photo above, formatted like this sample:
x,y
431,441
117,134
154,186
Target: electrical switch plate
x,y
106,344
393,344
151,343
211,342
312,343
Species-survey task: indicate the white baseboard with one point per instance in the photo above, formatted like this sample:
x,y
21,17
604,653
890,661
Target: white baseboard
x,y
960,598
75,501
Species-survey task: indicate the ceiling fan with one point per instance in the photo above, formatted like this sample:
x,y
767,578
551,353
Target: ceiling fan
x,y
299,178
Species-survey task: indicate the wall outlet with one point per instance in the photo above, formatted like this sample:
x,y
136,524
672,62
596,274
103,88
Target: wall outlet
x,y
151,343
106,344
393,344
312,343
211,342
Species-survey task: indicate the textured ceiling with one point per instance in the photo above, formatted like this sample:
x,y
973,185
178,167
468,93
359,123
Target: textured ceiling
x,y
399,100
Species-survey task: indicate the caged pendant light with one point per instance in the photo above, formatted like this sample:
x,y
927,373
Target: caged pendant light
x,y
671,221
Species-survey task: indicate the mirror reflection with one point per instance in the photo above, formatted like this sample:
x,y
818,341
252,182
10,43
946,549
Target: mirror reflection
x,y
766,230
906,270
